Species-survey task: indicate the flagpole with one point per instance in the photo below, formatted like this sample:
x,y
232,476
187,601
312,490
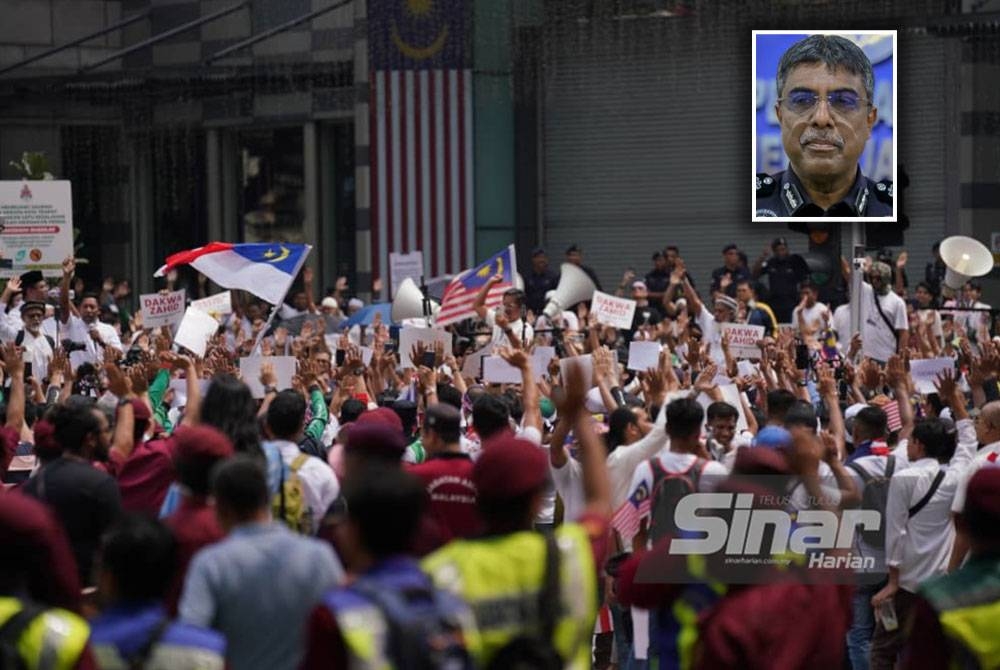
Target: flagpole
x,y
274,309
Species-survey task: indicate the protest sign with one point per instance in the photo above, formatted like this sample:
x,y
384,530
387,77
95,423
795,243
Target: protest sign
x,y
196,329
284,370
644,355
746,368
220,303
472,365
586,362
926,370
612,311
36,219
498,371
743,339
540,360
162,309
409,336
405,266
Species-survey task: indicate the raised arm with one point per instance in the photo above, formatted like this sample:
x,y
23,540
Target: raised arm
x,y
529,390
480,304
596,485
68,268
13,359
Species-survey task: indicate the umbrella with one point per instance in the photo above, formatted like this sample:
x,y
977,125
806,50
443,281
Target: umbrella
x,y
366,315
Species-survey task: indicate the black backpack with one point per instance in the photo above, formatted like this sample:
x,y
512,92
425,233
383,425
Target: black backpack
x,y
536,651
425,631
668,489
874,497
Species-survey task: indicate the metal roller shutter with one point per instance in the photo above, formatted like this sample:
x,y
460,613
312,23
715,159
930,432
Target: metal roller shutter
x,y
646,143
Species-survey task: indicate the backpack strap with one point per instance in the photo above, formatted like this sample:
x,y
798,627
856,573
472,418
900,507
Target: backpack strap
x,y
696,470
890,465
298,462
865,477
14,627
549,597
930,494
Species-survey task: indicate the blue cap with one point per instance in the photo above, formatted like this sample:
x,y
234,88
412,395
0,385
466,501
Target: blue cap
x,y
773,437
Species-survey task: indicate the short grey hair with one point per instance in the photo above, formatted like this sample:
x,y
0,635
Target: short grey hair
x,y
833,51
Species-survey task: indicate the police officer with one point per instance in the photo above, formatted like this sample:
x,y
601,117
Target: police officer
x,y
826,111
784,272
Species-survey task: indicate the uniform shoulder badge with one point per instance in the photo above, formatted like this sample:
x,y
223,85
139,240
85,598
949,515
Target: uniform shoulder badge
x,y
765,184
883,191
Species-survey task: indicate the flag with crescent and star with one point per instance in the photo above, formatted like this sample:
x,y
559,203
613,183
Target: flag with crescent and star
x,y
460,295
420,133
267,270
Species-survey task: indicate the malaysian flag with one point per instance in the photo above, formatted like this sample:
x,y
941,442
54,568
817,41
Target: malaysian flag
x,y
629,516
420,128
460,295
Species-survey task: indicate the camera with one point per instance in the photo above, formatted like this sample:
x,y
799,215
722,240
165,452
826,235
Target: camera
x,y
70,346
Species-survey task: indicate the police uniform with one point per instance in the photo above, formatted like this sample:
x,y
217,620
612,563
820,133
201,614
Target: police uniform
x,y
783,195
52,638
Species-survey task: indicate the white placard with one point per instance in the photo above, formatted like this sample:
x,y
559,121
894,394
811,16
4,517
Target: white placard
x,y
161,309
196,329
746,368
410,336
644,355
612,311
743,339
36,220
405,266
366,355
498,371
220,303
472,365
587,362
926,370
284,370
540,359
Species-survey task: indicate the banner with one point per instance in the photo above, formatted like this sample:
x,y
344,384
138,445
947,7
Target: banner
x,y
405,266
36,226
220,303
644,355
162,309
612,311
743,339
428,336
284,370
926,370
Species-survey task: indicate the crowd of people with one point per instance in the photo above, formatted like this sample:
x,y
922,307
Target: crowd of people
x,y
395,509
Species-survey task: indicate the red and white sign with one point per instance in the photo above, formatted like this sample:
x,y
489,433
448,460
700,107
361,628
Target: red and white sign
x,y
743,339
162,309
612,311
36,226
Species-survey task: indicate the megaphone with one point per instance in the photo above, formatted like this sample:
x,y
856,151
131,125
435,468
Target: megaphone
x,y
964,258
575,286
409,302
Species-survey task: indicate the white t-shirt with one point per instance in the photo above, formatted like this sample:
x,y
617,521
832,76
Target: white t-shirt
x,y
78,330
671,461
878,341
519,328
987,456
816,318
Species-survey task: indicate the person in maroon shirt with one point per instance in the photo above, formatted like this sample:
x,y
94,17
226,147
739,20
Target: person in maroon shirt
x,y
194,525
144,469
447,474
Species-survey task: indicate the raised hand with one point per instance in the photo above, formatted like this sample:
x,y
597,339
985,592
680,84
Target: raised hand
x,y
706,379
268,377
119,383
140,382
895,372
13,359
518,357
825,381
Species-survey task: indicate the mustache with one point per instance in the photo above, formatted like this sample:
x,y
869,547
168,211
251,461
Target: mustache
x,y
827,138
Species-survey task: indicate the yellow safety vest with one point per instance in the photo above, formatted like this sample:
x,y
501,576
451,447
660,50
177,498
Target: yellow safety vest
x,y
54,640
968,605
501,578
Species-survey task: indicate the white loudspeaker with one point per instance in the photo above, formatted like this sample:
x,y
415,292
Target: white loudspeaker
x,y
965,258
409,302
574,286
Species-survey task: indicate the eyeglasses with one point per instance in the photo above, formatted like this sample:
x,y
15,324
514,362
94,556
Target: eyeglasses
x,y
804,101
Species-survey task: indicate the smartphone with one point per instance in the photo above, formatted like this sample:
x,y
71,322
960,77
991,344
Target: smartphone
x,y
389,347
428,359
340,357
27,371
801,357
887,612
